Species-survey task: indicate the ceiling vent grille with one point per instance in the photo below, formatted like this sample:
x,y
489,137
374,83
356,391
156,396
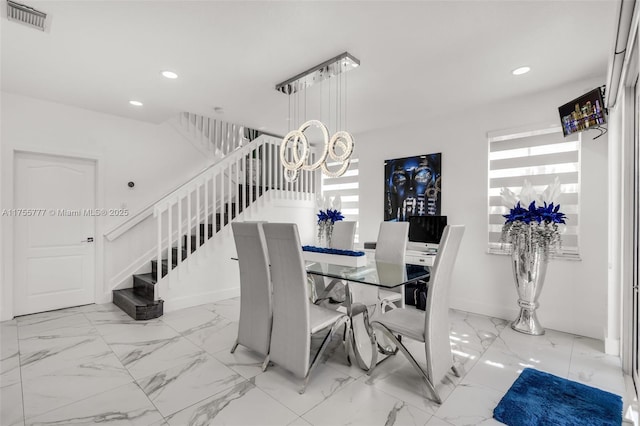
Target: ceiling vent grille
x,y
27,15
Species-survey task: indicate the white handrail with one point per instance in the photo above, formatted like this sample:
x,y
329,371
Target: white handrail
x,y
217,141
226,187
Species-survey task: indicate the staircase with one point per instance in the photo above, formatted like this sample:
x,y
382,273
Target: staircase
x,y
140,301
194,215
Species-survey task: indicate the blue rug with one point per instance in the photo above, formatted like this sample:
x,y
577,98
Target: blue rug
x,y
538,398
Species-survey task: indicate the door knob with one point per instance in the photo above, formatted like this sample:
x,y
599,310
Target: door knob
x,y
88,240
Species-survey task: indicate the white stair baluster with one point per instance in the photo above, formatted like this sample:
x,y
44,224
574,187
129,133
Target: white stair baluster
x,y
206,210
159,254
214,202
189,250
179,253
229,193
197,216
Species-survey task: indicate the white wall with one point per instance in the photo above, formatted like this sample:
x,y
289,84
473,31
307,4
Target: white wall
x,y
155,157
210,274
574,298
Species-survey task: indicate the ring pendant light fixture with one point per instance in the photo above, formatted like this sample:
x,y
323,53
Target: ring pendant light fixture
x,y
339,146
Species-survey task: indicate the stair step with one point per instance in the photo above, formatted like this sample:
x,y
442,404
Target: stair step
x,y
144,285
137,307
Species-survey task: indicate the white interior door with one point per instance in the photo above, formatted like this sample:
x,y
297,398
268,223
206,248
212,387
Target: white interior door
x,y
54,232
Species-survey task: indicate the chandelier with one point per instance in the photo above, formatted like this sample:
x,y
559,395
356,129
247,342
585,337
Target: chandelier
x,y
337,147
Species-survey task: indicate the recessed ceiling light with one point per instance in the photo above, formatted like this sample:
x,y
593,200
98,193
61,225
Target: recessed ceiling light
x,y
169,74
136,103
521,70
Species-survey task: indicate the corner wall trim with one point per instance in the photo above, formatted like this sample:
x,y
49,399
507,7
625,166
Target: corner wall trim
x,y
612,346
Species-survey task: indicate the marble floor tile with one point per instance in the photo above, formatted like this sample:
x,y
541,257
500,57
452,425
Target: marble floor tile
x,y
591,366
496,370
550,352
50,391
242,405
65,325
470,405
470,336
335,355
108,314
11,412
44,317
144,358
299,422
243,361
179,387
135,332
397,377
41,356
94,364
8,338
474,331
230,308
9,353
191,319
126,405
219,335
362,404
284,386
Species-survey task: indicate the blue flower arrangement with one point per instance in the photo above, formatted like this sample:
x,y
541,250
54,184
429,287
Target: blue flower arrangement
x,y
546,213
331,215
326,219
537,225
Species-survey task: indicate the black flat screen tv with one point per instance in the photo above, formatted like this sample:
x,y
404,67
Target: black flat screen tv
x,y
426,231
583,113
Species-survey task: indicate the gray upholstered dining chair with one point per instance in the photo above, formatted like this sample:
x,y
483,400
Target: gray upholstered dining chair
x,y
256,310
344,233
432,325
295,318
391,247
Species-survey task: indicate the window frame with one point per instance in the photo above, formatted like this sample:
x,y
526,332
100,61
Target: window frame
x,y
528,132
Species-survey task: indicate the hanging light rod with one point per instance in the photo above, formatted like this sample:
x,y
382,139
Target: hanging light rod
x,y
334,66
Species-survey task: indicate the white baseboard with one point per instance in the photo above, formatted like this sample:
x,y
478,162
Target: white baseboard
x,y
612,346
200,299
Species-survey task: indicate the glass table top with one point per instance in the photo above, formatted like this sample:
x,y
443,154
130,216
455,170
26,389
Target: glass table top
x,y
380,274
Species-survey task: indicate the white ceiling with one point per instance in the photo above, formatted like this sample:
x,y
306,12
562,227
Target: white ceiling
x,y
419,59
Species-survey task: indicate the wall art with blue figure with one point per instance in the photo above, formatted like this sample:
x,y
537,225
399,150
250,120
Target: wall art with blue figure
x,y
412,187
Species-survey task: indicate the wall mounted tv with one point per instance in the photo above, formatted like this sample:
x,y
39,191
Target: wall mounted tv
x,y
583,113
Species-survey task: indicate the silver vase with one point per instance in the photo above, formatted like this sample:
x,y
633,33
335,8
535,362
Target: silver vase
x,y
529,268
328,233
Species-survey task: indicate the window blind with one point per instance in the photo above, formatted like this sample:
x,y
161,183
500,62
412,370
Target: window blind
x,y
347,187
539,156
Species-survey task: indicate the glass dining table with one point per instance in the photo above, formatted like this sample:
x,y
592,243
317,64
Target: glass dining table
x,y
362,299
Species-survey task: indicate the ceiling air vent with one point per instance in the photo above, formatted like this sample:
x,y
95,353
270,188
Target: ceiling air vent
x,y
27,15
